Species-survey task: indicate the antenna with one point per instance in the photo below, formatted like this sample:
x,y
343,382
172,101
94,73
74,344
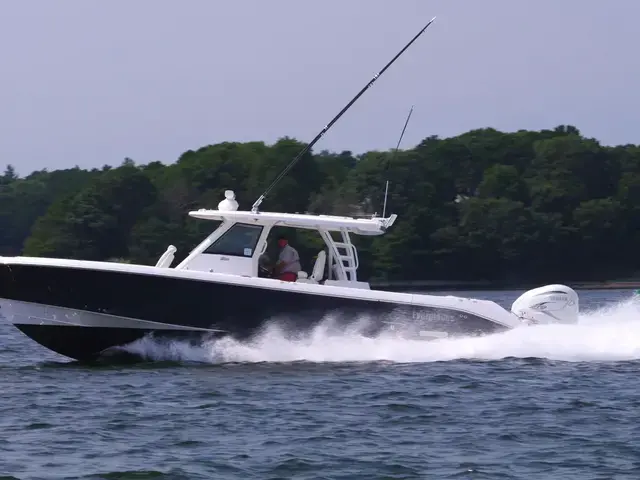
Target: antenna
x,y
386,188
257,203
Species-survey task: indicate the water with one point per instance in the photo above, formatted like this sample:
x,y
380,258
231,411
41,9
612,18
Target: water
x,y
547,402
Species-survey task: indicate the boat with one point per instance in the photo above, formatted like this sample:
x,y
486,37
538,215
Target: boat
x,y
84,309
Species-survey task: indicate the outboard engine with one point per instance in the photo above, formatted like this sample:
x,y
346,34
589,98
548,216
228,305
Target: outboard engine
x,y
548,304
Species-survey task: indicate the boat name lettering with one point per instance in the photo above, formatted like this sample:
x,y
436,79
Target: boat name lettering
x,y
420,315
558,298
435,315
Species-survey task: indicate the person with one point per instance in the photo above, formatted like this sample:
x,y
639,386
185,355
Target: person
x,y
288,264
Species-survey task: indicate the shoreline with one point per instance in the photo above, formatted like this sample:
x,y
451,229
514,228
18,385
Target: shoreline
x,y
460,285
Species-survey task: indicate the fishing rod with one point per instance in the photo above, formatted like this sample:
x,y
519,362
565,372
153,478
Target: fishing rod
x,y
395,152
257,203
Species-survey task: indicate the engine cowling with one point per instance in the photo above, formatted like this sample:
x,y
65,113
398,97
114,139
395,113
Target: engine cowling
x,y
548,304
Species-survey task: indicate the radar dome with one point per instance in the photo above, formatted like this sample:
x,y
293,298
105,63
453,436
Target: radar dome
x,y
229,203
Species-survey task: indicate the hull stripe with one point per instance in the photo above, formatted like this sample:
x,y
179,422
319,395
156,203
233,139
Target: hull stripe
x,y
28,313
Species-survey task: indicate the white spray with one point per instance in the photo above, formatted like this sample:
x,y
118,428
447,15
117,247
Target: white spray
x,y
608,334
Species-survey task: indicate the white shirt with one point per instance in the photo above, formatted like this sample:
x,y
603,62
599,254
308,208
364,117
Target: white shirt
x,y
289,256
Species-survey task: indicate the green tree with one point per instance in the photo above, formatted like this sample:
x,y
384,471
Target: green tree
x,y
95,223
548,205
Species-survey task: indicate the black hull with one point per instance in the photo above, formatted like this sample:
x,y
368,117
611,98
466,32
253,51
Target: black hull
x,y
93,343
80,343
240,311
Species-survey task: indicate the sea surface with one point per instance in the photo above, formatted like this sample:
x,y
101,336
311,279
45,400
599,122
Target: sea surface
x,y
545,402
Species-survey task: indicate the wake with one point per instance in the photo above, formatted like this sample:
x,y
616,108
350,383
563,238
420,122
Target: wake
x,y
607,334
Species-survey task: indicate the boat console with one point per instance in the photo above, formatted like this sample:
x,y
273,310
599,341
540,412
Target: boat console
x,y
237,246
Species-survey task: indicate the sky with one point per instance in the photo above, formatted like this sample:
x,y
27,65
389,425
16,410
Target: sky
x,y
90,83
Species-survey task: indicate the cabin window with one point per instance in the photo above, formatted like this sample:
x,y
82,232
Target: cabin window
x,y
239,241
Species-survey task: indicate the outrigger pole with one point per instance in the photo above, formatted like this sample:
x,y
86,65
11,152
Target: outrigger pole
x,y
257,203
386,188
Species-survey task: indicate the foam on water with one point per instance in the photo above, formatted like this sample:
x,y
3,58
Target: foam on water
x,y
607,334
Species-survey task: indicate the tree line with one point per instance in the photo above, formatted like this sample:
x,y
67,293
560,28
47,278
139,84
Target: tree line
x,y
531,206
